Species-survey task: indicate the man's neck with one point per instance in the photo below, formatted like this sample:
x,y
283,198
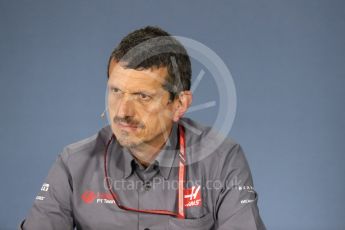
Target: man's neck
x,y
146,153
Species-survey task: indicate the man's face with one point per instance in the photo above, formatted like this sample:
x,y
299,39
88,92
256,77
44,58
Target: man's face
x,y
139,108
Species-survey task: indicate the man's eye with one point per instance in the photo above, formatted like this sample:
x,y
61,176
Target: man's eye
x,y
144,97
115,90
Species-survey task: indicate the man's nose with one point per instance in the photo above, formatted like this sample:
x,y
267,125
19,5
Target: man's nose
x,y
125,107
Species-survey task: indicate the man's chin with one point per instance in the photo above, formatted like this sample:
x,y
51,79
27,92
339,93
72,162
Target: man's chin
x,y
127,143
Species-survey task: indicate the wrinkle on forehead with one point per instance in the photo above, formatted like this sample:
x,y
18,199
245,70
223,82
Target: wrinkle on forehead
x,y
155,73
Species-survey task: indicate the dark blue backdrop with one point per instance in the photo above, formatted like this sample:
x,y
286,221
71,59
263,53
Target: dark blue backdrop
x,y
287,59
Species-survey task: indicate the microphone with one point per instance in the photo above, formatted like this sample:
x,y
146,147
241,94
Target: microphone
x,y
104,113
103,116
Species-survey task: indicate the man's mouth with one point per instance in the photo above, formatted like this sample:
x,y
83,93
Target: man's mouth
x,y
127,126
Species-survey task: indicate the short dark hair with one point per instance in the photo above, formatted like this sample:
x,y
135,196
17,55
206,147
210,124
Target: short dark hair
x,y
153,47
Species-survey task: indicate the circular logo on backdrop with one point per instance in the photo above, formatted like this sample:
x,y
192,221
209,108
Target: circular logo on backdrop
x,y
210,66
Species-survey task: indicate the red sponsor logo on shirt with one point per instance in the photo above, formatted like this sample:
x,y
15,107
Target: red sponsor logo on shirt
x,y
192,197
101,197
88,197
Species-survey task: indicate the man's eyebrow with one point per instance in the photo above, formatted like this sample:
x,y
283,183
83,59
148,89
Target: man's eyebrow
x,y
150,93
139,91
111,86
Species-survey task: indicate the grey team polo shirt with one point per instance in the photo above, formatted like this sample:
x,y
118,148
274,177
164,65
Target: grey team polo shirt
x,y
218,194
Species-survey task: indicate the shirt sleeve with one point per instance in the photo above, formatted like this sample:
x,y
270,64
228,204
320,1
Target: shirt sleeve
x,y
52,207
236,206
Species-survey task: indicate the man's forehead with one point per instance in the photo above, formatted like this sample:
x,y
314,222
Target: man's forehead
x,y
132,80
153,74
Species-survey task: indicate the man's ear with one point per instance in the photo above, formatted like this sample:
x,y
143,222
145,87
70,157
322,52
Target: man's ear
x,y
183,102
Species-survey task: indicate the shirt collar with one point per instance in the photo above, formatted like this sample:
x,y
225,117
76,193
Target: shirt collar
x,y
164,160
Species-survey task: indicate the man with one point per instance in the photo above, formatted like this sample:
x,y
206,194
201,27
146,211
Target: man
x,y
150,168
